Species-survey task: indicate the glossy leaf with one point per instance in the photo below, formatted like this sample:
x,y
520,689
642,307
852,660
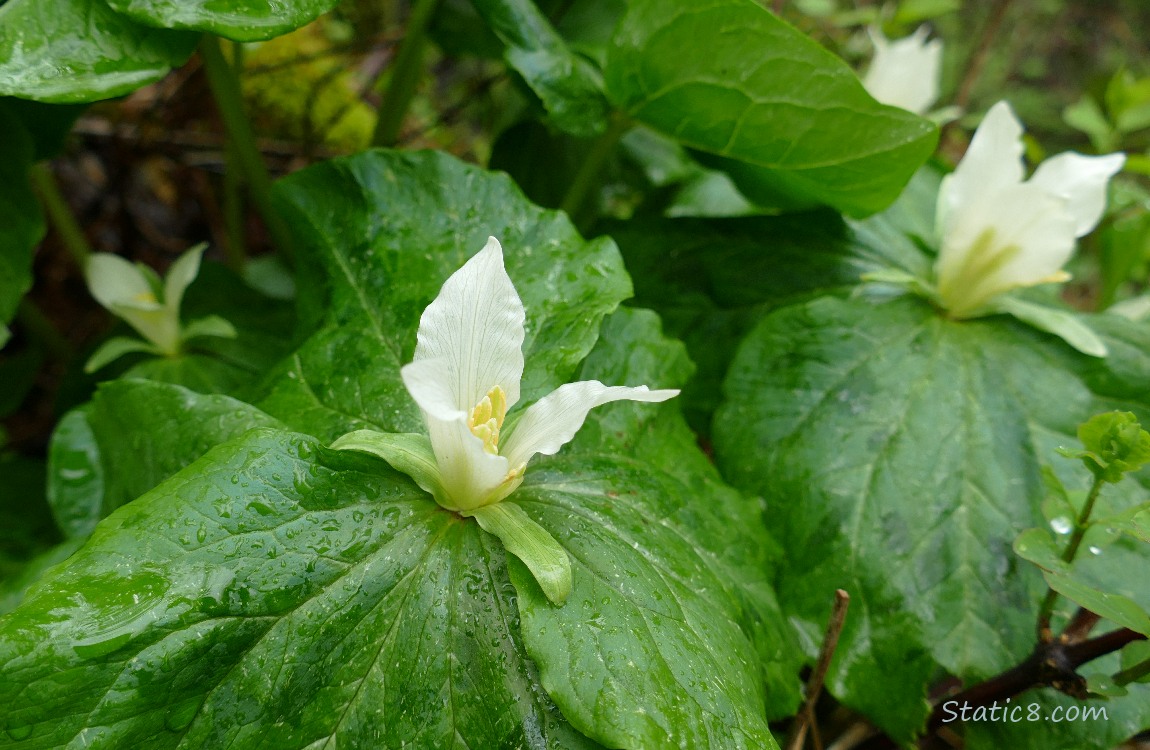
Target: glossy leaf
x,y
81,51
940,429
242,20
682,68
132,436
388,228
569,87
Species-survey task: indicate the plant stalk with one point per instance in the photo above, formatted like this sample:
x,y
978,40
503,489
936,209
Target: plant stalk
x,y
574,202
806,716
1046,611
405,74
36,323
235,252
225,86
59,213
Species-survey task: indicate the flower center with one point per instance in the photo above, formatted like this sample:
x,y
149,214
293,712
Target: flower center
x,y
487,417
146,298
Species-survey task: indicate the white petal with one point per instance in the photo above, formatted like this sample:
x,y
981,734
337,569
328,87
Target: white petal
x,y
182,273
553,420
905,73
1080,181
1019,236
428,383
159,325
474,332
993,162
114,281
471,477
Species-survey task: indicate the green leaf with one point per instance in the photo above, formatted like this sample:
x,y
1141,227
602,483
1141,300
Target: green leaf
x,y
19,211
212,325
116,347
241,20
132,436
672,65
532,544
938,430
388,228
81,51
569,86
276,594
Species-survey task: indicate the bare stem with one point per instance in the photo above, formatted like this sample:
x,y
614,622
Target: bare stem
x,y
1081,524
75,242
405,73
575,201
806,716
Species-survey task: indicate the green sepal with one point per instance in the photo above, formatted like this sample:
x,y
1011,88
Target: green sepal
x,y
1062,323
408,453
532,544
116,347
212,325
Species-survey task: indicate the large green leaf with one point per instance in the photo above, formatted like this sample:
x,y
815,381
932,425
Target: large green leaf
x,y
388,228
81,51
900,454
19,212
339,604
570,87
728,78
133,435
242,20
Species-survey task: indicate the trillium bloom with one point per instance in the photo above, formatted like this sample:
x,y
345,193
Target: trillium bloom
x,y
465,377
998,232
130,292
905,72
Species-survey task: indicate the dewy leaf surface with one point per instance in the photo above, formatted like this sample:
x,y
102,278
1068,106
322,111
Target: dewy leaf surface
x,y
276,595
133,435
241,20
81,51
388,228
570,87
728,78
939,431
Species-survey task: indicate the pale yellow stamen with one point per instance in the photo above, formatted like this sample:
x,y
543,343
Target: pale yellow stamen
x,y
487,418
146,297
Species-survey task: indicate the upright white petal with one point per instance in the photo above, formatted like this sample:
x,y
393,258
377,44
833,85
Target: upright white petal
x,y
553,420
474,332
1016,236
905,73
114,281
992,162
1081,181
182,273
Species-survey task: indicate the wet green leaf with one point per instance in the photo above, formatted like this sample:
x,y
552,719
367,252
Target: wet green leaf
x,y
81,51
242,20
730,79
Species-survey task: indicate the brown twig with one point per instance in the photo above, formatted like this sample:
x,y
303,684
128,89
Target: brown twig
x,y
805,718
1080,626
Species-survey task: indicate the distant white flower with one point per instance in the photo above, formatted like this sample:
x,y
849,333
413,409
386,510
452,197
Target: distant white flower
x,y
465,377
130,292
905,72
998,232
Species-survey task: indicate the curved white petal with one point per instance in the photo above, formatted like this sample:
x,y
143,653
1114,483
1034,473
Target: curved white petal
x,y
471,477
1080,181
1018,236
993,162
904,73
474,332
553,420
428,383
114,281
182,273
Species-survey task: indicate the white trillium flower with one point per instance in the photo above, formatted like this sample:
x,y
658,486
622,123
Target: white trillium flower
x,y
126,290
465,377
905,72
999,232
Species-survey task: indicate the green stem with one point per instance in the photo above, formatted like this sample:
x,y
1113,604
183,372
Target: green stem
x,y
1046,611
235,252
1136,672
44,183
574,202
405,73
36,323
225,86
